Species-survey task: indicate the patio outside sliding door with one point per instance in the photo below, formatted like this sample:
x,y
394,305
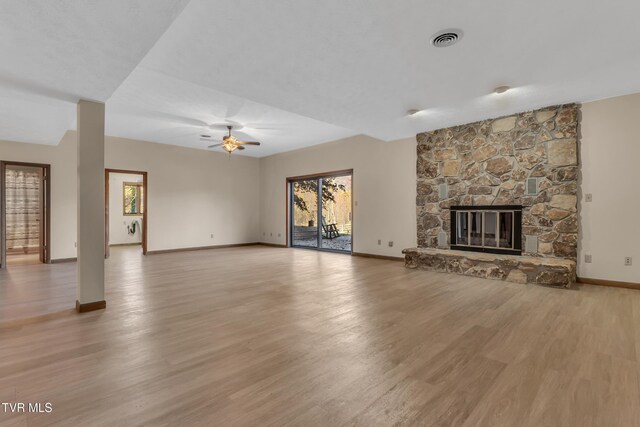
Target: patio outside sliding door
x,y
321,212
304,213
336,213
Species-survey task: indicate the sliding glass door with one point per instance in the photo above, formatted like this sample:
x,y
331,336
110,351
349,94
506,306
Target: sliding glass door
x,y
321,212
336,213
304,209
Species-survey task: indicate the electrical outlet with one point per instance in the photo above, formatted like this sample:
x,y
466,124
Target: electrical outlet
x,y
278,234
588,197
627,260
212,235
587,258
390,243
75,244
379,242
270,234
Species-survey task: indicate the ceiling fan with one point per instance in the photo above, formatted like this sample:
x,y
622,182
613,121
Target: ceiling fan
x,y
229,142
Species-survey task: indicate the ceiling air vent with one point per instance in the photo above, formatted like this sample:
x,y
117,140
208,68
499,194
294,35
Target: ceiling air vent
x,y
446,38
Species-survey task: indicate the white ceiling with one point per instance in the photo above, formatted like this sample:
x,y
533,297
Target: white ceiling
x,y
155,107
301,72
53,53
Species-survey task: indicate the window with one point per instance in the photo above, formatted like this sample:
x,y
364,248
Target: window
x,y
133,199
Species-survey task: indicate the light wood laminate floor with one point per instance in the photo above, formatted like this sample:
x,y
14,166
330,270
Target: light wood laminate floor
x,y
265,336
23,259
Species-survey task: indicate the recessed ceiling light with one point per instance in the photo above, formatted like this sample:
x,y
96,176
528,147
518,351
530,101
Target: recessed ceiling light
x,y
206,136
412,112
446,38
501,89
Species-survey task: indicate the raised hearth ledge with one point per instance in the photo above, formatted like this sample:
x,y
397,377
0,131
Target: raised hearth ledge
x,y
520,269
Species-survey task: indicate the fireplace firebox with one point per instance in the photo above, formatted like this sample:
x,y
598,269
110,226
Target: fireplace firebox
x,y
493,229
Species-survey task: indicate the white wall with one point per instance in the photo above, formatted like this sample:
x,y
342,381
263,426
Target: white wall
x,y
610,163
191,193
64,180
118,221
384,190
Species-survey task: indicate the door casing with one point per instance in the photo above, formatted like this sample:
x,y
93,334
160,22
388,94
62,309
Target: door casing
x,y
45,211
106,207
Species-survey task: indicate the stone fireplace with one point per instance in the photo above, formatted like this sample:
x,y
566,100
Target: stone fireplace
x,y
498,198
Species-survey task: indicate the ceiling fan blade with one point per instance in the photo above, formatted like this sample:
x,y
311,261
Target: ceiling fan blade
x,y
239,147
248,143
215,145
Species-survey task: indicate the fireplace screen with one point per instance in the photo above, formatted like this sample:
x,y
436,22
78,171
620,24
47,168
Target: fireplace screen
x,y
494,229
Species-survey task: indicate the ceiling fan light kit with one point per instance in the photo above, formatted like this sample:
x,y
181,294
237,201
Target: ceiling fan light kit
x,y
230,143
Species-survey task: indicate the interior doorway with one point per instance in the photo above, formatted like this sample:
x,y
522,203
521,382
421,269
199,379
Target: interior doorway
x,y
25,205
321,211
125,209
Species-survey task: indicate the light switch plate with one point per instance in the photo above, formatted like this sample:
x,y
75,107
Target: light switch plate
x,y
588,197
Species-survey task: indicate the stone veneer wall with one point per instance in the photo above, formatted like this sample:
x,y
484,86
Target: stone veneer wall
x,y
488,162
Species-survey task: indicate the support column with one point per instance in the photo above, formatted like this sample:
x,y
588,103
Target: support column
x,y
90,207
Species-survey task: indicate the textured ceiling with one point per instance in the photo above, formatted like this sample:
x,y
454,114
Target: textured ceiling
x,y
301,72
154,107
362,64
54,53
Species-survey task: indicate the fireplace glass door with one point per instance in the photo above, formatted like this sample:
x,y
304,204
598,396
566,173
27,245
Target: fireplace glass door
x,y
506,229
490,229
475,236
487,229
462,233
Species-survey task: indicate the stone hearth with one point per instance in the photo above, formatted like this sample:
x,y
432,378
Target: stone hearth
x,y
527,159
513,268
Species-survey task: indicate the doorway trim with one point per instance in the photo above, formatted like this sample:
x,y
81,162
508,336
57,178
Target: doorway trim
x,y
44,243
106,207
288,196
